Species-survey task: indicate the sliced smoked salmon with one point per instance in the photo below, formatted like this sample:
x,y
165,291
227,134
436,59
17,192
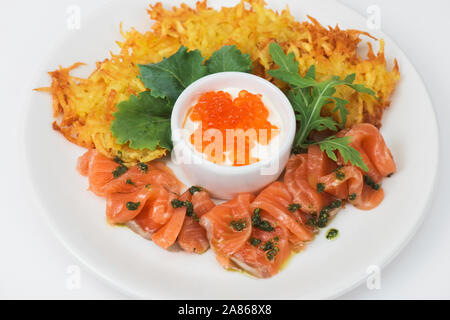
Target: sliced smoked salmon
x,y
368,140
228,226
265,252
123,207
253,234
192,237
275,200
343,182
167,235
297,182
83,162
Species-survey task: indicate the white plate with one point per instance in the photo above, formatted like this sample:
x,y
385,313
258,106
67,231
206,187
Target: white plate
x,y
137,266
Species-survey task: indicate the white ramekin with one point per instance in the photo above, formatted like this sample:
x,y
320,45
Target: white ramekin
x,y
225,182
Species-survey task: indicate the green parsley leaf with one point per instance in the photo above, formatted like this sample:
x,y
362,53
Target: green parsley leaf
x,y
144,122
348,153
172,75
229,58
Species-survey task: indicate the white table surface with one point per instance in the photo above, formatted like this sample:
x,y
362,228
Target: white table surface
x,y
33,264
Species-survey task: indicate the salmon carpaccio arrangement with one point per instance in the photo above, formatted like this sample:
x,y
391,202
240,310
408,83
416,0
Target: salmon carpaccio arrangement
x,y
255,233
246,86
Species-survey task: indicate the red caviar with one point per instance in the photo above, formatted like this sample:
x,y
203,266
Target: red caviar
x,y
239,123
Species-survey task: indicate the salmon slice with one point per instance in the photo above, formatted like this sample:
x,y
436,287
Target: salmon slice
x,y
202,203
135,178
343,182
156,212
144,223
223,238
123,207
100,172
102,180
368,140
167,235
265,252
297,182
369,199
83,162
275,200
192,237
318,164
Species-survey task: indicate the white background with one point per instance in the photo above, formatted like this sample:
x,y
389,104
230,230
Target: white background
x,y
33,264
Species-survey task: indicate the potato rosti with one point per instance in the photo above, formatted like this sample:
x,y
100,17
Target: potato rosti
x,y
84,107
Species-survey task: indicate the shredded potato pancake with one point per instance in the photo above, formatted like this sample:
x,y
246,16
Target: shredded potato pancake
x,y
84,107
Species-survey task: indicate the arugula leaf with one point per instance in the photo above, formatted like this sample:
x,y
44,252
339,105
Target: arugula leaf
x,y
342,145
340,106
288,68
144,122
308,97
172,75
229,58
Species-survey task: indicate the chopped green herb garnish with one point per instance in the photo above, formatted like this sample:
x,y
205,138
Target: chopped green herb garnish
x,y
118,160
323,219
272,253
120,170
147,185
143,167
335,204
130,182
320,187
332,234
340,175
260,224
352,196
255,242
132,206
268,245
190,211
369,181
194,189
239,225
312,222
294,207
176,203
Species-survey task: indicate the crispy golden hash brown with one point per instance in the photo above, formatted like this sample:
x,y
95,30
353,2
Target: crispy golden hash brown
x,y
84,107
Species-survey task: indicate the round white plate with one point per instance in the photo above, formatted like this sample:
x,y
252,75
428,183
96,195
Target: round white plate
x,y
137,266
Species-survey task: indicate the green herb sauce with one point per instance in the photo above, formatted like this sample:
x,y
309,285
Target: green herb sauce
x,y
294,207
132,206
239,225
120,170
369,181
143,167
332,234
320,187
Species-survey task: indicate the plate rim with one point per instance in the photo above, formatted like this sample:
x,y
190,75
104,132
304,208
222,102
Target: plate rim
x,y
77,252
